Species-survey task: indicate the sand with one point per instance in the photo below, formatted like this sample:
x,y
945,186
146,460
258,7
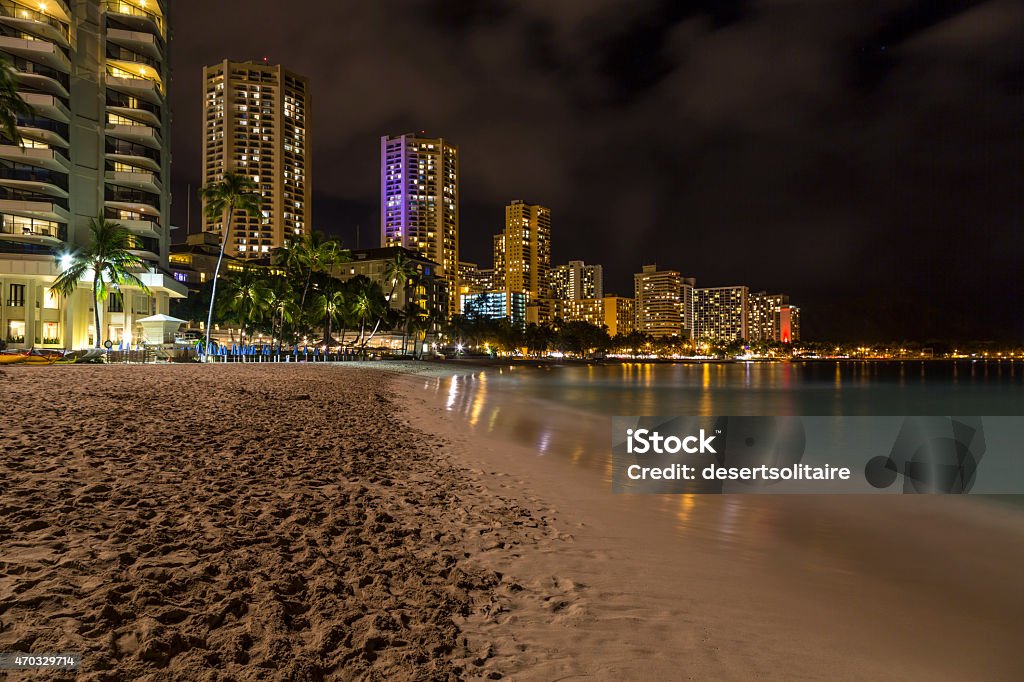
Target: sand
x,y
242,522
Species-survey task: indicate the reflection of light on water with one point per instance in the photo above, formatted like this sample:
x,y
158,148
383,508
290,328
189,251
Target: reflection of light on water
x,y
478,401
686,504
493,420
730,518
453,391
577,452
543,442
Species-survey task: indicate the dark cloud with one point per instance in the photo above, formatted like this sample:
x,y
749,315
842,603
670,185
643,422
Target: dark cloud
x,y
864,157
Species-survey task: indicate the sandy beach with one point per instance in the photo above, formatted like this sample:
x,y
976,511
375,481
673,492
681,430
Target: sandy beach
x,y
242,522
339,522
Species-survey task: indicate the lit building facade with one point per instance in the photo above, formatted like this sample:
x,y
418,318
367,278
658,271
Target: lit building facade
x,y
419,203
524,253
764,318
495,305
721,313
427,290
616,313
94,72
788,324
577,281
474,279
256,120
659,302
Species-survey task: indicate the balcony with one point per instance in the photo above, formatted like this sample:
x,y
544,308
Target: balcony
x,y
34,180
132,201
38,77
135,15
144,135
144,180
143,43
50,137
147,117
142,228
36,208
143,88
134,160
51,159
41,235
30,21
48,106
38,51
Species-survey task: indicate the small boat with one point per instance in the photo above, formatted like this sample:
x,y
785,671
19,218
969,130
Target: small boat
x,y
10,358
48,359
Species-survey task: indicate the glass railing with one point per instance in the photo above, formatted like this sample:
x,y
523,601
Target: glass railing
x,y
119,99
10,9
61,129
129,10
12,194
125,148
59,232
117,214
126,55
28,68
130,196
25,173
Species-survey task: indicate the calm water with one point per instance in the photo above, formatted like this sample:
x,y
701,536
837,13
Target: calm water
x,y
565,409
940,563
867,388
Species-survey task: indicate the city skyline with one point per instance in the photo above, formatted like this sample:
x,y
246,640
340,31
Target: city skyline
x,y
877,239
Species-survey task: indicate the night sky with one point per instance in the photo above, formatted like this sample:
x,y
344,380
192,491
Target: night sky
x,y
865,157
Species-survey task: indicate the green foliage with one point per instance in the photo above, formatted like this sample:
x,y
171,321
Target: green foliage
x,y
108,257
11,104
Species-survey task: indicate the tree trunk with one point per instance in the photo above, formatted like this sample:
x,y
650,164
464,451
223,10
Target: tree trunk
x,y
96,306
216,274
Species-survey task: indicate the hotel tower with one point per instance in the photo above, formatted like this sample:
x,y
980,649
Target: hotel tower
x,y
95,75
256,122
419,202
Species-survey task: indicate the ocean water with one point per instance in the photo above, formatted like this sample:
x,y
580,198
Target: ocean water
x,y
774,389
564,411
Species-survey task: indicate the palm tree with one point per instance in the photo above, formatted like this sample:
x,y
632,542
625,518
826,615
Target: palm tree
x,y
312,253
11,104
282,306
368,302
332,305
109,258
234,193
247,296
412,316
401,270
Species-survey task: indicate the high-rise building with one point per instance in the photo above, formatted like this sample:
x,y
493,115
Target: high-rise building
x,y
495,305
419,202
576,281
659,302
721,313
474,279
764,315
616,313
526,258
93,72
788,324
256,123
